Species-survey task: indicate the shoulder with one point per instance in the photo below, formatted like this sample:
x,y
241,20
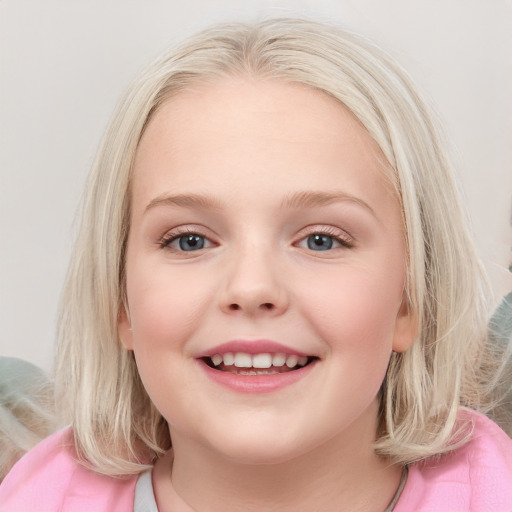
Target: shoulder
x,y
477,477
49,478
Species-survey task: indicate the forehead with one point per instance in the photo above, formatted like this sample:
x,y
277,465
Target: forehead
x,y
240,127
275,109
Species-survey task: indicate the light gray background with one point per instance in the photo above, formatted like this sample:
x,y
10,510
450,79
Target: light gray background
x,y
65,63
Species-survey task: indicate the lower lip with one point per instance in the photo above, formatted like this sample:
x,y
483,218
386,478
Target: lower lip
x,y
256,383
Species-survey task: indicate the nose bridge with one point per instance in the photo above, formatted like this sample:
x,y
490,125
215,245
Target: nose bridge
x,y
253,281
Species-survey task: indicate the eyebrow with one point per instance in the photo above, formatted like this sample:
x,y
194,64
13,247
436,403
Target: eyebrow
x,y
306,199
310,199
184,200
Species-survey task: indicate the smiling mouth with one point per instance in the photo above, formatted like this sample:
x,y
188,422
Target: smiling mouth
x,y
241,363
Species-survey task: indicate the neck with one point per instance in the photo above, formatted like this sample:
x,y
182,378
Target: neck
x,y
344,473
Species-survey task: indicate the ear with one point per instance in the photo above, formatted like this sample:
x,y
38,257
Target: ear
x,y
124,329
406,327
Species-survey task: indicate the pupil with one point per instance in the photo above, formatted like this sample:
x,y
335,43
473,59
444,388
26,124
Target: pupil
x,y
319,242
191,243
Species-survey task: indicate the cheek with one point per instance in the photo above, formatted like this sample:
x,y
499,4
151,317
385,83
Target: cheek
x,y
164,315
356,311
165,305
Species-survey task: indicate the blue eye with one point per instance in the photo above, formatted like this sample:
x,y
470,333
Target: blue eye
x,y
319,242
190,242
185,239
186,242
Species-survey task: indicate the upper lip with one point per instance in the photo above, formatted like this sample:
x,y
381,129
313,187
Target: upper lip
x,y
251,347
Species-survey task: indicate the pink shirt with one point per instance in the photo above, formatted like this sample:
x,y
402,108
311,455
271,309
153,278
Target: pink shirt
x,y
474,478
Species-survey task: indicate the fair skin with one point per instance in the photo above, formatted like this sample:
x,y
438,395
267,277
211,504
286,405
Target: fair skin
x,y
260,211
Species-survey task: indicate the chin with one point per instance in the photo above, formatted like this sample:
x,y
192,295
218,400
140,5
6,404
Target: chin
x,y
260,448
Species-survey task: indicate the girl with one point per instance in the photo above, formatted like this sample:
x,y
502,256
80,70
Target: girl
x,y
273,302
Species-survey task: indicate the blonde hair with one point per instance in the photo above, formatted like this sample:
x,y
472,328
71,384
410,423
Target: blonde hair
x,y
117,429
27,412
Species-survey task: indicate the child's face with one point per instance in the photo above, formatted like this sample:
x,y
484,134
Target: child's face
x,y
260,215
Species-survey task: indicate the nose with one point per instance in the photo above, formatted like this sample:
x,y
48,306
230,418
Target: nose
x,y
254,286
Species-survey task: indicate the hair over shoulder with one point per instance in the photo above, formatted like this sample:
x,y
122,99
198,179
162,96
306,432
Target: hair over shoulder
x,y
117,428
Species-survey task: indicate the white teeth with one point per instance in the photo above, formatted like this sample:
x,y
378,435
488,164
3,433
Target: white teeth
x,y
229,359
259,361
262,361
278,359
292,361
242,360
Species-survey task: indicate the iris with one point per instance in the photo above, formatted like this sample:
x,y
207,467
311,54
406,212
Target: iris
x,y
191,242
320,242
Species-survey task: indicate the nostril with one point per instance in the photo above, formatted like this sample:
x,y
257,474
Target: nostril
x,y
266,305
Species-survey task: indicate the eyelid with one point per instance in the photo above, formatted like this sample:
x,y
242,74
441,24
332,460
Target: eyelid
x,y
346,240
173,234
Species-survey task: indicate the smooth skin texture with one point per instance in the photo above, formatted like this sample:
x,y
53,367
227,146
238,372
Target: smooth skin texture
x,y
256,169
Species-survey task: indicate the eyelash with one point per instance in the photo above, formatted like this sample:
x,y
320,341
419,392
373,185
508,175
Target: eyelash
x,y
344,240
177,233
